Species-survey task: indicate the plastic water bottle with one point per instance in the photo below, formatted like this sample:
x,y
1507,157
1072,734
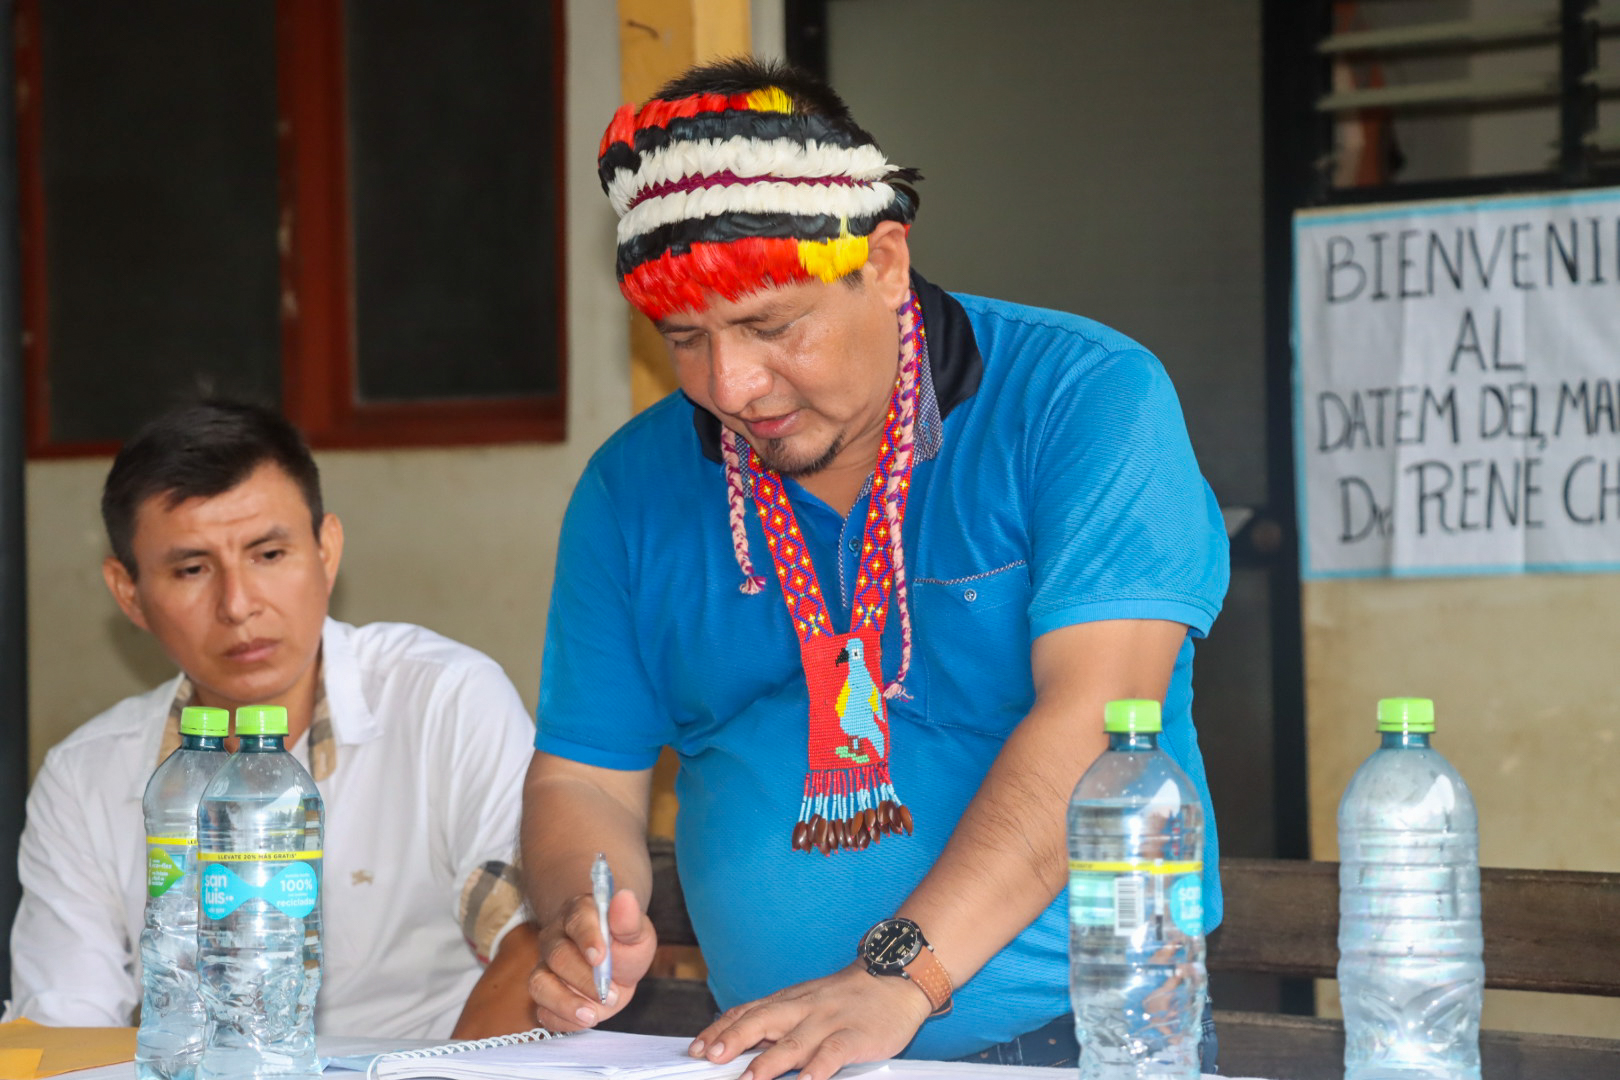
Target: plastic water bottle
x,y
173,1021
1411,977
1136,910
259,837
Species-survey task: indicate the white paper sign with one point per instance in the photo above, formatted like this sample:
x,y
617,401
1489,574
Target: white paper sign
x,y
1457,386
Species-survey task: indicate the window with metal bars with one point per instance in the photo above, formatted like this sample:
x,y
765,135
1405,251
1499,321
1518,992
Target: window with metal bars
x,y
1436,98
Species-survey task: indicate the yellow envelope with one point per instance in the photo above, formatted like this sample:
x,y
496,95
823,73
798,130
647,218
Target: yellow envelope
x,y
29,1050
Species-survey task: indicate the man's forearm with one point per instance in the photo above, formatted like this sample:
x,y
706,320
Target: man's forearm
x,y
1008,856
499,1003
567,820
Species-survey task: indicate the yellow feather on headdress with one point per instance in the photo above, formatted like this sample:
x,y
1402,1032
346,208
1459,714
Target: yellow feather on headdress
x,y
830,260
771,99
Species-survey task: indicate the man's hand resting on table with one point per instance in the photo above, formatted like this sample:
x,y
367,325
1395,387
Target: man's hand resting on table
x,y
820,1026
562,987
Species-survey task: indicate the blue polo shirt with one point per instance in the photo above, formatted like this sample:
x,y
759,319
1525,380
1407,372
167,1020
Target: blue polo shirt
x,y
1054,485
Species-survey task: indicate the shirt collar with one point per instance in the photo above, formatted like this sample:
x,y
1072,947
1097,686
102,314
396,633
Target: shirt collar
x,y
341,713
954,369
352,720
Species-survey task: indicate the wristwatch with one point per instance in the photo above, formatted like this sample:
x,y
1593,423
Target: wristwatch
x,y
897,947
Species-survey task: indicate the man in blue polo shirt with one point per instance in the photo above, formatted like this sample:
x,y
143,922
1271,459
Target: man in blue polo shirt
x,y
873,575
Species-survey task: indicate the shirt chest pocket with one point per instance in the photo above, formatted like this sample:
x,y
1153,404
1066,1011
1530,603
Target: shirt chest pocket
x,y
972,634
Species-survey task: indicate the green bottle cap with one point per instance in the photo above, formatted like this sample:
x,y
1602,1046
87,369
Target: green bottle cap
x,y
261,720
200,720
1131,717
1414,714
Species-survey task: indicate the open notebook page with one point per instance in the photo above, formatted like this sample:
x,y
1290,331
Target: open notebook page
x,y
589,1055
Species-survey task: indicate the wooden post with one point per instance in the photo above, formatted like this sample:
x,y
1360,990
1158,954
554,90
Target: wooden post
x,y
659,39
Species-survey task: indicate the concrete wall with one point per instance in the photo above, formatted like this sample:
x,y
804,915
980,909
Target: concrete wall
x,y
767,28
463,540
1527,708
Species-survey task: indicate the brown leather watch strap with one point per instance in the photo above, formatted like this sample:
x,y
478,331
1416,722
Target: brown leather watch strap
x,y
932,979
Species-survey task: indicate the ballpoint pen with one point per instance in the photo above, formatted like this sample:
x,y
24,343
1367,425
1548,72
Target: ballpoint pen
x,y
602,892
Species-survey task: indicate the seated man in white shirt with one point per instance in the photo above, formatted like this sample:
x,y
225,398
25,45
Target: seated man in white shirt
x,y
223,552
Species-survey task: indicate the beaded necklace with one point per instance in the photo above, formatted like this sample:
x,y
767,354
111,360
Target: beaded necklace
x,y
849,800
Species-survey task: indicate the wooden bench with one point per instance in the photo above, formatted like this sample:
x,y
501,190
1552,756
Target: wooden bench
x,y
1544,930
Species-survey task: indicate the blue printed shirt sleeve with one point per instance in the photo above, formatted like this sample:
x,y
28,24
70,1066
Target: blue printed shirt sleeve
x,y
1123,524
597,703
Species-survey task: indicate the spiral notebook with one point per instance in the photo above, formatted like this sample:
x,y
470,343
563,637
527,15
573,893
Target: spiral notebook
x,y
542,1055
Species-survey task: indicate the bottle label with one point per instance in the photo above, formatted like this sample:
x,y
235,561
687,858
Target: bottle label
x,y
1187,904
1127,896
293,889
166,859
1091,899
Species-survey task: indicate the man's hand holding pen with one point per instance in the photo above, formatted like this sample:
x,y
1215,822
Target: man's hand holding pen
x,y
573,953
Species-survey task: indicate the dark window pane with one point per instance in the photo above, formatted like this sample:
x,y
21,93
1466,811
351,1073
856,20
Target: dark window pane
x,y
452,135
159,158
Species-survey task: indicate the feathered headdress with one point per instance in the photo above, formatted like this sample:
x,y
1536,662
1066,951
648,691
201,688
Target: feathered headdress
x,y
731,193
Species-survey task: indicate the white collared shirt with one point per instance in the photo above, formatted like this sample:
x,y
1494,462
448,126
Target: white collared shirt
x,y
422,815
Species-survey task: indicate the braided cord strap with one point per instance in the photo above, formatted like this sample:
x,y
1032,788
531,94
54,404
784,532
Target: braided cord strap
x,y
914,354
752,583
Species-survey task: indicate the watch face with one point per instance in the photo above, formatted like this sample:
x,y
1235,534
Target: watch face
x,y
891,945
